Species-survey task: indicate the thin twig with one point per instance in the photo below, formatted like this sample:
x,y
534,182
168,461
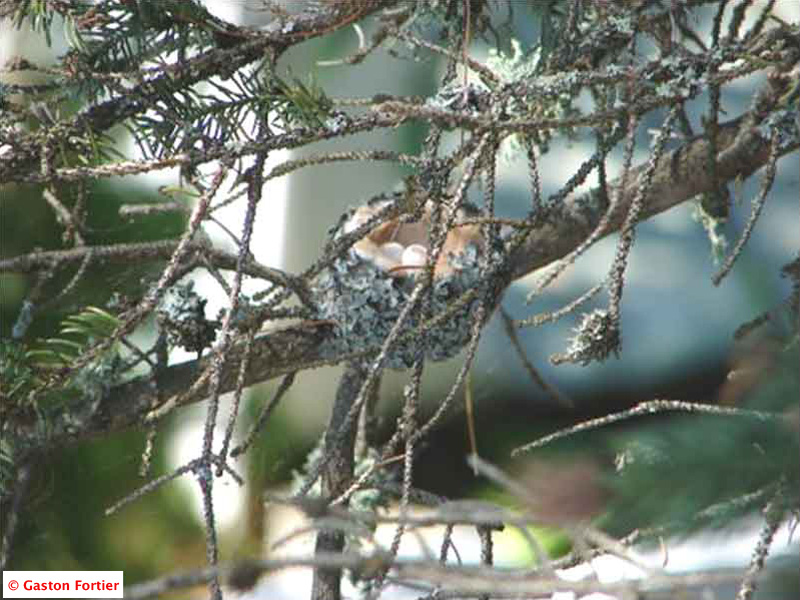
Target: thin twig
x,y
773,516
648,408
511,331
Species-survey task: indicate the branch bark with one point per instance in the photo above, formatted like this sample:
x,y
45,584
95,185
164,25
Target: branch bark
x,y
337,475
142,400
126,254
680,175
25,159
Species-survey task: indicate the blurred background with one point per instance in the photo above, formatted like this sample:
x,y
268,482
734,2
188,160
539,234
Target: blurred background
x,y
677,339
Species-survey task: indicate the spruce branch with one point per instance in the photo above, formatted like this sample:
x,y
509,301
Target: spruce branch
x,y
676,179
185,83
244,46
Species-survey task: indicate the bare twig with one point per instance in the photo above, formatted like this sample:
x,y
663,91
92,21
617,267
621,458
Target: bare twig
x,y
773,516
337,474
648,408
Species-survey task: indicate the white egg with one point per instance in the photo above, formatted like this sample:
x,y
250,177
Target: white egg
x,y
383,257
415,255
393,251
386,257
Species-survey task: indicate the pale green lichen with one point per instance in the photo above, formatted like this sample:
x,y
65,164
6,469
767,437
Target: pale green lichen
x,y
364,302
713,228
515,66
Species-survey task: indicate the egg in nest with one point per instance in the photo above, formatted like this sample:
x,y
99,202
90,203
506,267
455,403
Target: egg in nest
x,y
363,291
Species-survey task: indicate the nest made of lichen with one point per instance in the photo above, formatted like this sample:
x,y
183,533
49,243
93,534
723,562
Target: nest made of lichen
x,y
365,289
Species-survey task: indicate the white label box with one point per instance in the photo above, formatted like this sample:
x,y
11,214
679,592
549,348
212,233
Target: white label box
x,y
62,584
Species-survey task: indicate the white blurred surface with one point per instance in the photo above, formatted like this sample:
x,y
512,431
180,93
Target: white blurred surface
x,y
705,551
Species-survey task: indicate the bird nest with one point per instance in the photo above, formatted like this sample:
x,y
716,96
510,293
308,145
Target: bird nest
x,y
366,288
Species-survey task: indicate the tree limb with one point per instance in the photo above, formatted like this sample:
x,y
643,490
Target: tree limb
x,y
128,253
251,45
679,176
